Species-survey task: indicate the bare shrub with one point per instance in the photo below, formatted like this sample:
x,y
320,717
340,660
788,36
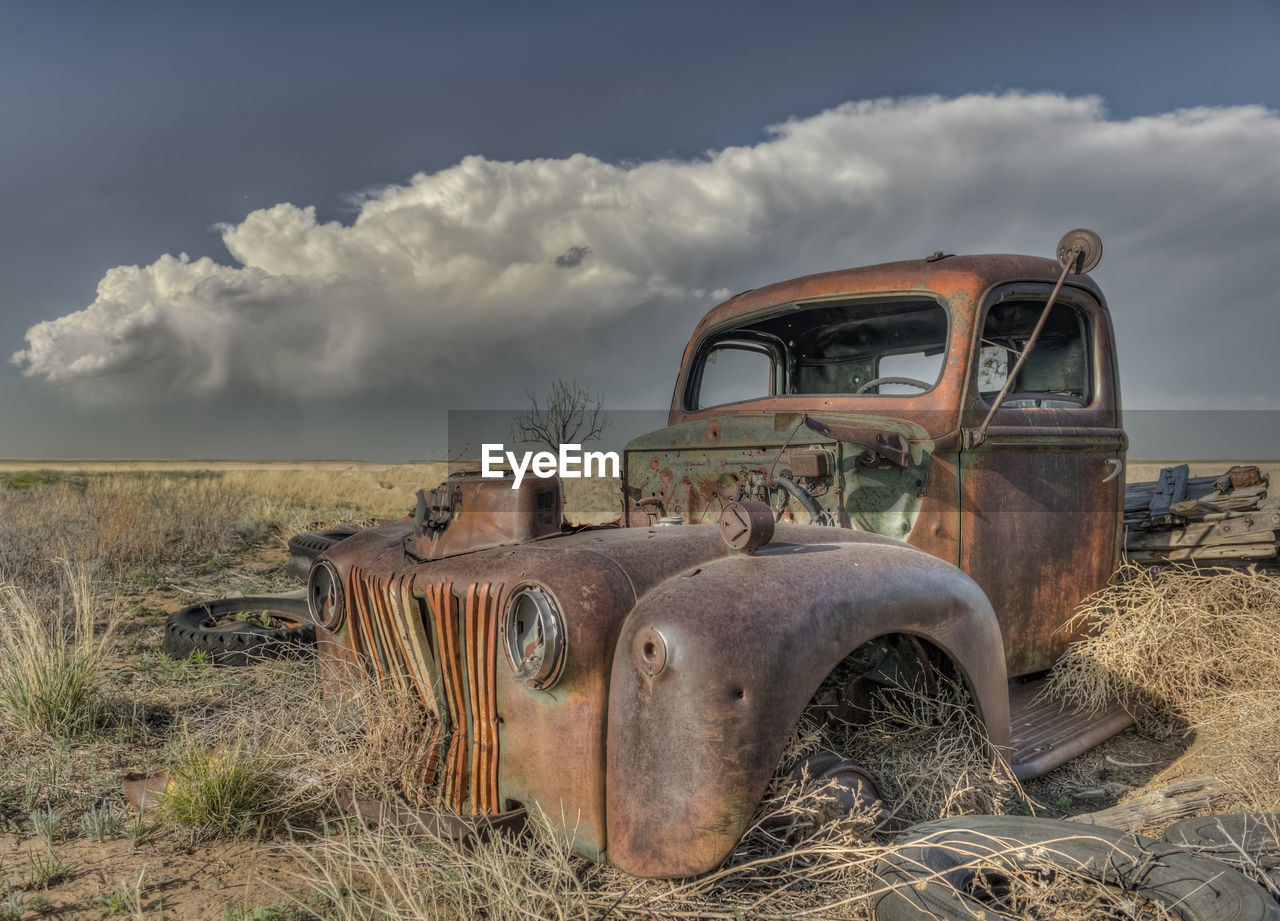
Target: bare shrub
x,y
1190,650
569,414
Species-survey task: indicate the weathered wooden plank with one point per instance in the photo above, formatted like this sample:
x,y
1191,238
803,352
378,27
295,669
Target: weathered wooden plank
x,y
1188,798
1251,523
1205,554
1171,487
1233,503
1197,534
1193,508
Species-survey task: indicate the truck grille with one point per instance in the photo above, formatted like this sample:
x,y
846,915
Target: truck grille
x,y
445,654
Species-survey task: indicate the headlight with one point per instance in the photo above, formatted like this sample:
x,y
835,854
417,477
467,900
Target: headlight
x,y
324,596
534,637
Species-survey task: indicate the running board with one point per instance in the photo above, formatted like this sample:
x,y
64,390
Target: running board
x,y
1044,735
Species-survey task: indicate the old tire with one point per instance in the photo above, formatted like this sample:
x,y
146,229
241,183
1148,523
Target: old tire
x,y
306,546
213,628
1228,836
932,873
1241,840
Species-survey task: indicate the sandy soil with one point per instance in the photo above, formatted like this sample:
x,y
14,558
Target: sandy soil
x,y
175,880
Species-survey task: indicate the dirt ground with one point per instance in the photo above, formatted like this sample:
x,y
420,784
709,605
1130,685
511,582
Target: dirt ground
x,y
174,880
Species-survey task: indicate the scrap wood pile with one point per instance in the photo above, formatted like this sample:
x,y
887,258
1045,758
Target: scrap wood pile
x,y
1219,518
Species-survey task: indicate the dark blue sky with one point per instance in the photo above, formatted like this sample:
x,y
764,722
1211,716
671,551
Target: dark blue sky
x,y
128,129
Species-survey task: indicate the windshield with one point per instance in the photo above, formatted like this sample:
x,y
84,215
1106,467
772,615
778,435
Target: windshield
x,y
868,347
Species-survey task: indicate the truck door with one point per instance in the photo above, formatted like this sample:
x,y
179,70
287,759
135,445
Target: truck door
x,y
1041,498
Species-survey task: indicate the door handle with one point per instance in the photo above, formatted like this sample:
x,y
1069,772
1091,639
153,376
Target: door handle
x,y
1118,464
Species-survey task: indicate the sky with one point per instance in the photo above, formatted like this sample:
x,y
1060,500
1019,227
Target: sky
x,y
291,230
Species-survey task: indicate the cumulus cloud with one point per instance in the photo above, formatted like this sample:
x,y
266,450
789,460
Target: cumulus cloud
x,y
490,272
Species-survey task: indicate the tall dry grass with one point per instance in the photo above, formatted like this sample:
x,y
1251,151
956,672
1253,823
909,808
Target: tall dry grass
x,y
125,522
392,874
1192,651
51,660
800,857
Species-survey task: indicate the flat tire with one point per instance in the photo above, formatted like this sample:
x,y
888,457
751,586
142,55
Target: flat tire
x,y
932,873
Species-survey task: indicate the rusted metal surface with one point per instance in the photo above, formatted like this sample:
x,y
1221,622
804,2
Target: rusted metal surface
x,y
436,822
1045,734
851,785
746,526
702,738
471,513
1022,507
552,744
682,662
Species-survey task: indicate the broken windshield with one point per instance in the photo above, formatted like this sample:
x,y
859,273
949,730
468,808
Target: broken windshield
x,y
867,347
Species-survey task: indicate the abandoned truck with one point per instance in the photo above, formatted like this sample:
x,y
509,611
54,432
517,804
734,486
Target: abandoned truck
x,y
875,471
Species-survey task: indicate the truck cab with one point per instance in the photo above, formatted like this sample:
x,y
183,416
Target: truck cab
x,y
854,399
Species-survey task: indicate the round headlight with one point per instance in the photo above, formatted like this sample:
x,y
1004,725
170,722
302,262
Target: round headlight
x,y
324,596
534,637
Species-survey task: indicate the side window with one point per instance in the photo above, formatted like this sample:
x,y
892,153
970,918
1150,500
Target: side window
x,y
733,372
1057,373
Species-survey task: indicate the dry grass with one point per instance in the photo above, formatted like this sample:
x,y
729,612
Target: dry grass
x,y
125,522
393,875
800,857
927,748
1192,650
51,661
1205,638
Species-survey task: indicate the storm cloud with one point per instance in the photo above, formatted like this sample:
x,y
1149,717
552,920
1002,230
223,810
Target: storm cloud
x,y
557,261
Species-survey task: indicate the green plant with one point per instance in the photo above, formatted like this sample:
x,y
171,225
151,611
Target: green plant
x,y
135,831
45,823
39,905
14,906
284,910
230,790
125,901
100,822
27,479
47,869
49,665
259,618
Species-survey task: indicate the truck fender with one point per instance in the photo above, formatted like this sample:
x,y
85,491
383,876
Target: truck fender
x,y
714,666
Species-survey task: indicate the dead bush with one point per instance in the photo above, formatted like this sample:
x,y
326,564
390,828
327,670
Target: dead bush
x,y
1190,650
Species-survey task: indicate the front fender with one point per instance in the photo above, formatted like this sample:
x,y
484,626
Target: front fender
x,y
749,639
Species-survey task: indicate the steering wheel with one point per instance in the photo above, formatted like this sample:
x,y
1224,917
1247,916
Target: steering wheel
x,y
875,381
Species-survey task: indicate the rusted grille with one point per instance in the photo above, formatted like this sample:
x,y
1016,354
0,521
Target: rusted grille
x,y
446,654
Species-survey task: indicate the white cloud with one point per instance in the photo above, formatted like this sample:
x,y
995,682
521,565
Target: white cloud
x,y
546,262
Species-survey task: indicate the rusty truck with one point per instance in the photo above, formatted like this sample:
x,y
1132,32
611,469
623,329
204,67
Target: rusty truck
x,y
865,473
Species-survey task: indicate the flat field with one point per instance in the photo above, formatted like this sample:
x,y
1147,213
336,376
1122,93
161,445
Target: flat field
x,y
93,556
